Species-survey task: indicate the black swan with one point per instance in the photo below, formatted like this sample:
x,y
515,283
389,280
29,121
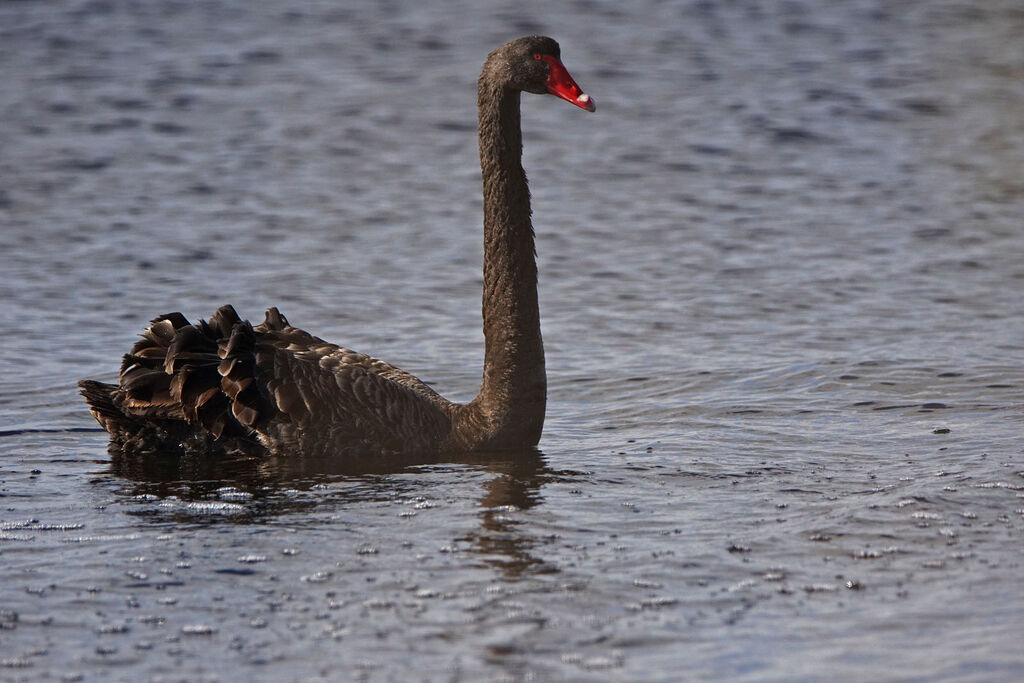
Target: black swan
x,y
226,385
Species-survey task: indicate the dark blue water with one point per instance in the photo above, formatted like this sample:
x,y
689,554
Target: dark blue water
x,y
780,284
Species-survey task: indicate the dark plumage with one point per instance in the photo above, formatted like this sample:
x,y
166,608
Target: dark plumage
x,y
225,385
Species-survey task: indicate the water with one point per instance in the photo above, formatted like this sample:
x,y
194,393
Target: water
x,y
780,279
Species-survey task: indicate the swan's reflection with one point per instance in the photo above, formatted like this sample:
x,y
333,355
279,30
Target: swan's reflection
x,y
501,540
275,486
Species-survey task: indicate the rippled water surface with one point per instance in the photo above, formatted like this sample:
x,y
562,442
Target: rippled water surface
x,y
781,276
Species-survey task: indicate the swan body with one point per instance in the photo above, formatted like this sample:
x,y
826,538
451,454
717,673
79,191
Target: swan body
x,y
224,384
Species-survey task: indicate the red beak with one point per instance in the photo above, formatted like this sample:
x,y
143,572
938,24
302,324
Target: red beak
x,y
560,84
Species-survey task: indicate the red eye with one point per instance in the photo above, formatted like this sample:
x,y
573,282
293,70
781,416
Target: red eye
x,y
538,57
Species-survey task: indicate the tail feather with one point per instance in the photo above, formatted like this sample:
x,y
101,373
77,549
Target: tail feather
x,y
162,330
190,346
147,385
100,397
275,320
205,375
176,319
224,321
190,385
239,371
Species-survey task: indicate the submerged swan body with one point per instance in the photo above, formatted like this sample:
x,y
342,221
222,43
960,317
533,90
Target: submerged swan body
x,y
225,384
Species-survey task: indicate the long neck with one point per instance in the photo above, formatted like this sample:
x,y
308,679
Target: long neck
x,y
510,406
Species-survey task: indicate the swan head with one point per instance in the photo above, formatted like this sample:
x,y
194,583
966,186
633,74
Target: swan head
x,y
533,64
